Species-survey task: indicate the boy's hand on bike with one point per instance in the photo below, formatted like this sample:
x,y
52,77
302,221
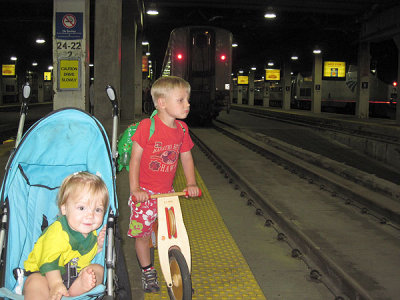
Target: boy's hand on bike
x,y
192,191
139,196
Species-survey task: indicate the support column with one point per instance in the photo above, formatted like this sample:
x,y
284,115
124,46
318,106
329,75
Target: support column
x,y
128,42
138,81
70,53
250,91
40,89
397,42
266,94
316,93
239,94
363,88
287,83
107,57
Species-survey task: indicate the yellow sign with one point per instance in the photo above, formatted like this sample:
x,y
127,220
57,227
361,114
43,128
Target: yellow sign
x,y
145,63
335,69
8,70
243,79
272,74
47,76
69,74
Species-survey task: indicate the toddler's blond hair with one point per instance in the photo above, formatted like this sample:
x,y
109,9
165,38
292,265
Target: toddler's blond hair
x,y
83,181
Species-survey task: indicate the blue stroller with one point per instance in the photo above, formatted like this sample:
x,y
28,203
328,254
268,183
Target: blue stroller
x,y
65,141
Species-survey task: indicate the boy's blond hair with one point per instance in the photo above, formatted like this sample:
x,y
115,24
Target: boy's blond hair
x,y
85,182
163,85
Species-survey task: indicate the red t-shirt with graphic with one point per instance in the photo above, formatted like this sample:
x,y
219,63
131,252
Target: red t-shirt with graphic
x,y
160,153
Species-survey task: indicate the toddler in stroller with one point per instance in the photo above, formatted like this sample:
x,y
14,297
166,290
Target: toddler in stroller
x,y
64,142
61,250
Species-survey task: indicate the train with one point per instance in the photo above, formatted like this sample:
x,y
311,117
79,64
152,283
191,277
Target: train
x,y
337,96
202,55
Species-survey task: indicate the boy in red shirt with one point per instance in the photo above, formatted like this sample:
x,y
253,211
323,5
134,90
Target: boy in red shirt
x,y
153,165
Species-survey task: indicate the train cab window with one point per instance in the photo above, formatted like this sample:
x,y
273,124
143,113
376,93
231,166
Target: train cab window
x,y
201,40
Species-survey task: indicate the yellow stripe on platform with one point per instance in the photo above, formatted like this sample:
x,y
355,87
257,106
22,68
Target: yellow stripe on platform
x,y
219,270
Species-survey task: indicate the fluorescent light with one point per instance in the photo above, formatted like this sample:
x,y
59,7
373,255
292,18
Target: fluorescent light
x,y
40,41
270,15
152,12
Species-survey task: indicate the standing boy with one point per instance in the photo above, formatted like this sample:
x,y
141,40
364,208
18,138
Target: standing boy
x,y
153,165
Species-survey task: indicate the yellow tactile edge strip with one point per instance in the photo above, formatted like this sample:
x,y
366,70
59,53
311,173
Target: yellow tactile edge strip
x,y
219,270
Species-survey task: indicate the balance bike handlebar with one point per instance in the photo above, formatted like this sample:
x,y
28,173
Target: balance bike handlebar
x,y
156,196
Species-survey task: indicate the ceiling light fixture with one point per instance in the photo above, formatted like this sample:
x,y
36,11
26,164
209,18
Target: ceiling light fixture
x,y
152,10
40,41
270,14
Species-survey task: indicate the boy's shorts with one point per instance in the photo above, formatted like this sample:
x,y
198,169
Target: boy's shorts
x,y
143,215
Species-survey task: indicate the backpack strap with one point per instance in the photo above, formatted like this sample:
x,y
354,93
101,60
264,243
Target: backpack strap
x,y
183,128
152,126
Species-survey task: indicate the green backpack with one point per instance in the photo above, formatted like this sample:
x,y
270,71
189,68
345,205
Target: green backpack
x,y
125,142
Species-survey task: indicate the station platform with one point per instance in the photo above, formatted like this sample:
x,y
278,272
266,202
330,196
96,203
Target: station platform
x,y
219,270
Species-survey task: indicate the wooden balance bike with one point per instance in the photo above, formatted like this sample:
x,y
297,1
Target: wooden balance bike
x,y
173,246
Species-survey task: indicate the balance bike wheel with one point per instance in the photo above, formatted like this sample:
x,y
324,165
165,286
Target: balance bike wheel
x,y
181,281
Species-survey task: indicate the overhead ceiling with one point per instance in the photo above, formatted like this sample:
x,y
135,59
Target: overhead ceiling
x,y
332,25
300,25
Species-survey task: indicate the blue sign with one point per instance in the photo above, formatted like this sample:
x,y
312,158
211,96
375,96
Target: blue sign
x,y
69,25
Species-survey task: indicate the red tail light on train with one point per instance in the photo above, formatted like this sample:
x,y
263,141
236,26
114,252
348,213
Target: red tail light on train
x,y
179,56
222,57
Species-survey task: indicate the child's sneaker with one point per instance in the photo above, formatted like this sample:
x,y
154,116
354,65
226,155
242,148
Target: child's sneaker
x,y
149,281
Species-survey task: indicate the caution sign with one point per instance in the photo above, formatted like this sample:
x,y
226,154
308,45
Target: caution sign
x,y
243,79
8,70
273,74
69,74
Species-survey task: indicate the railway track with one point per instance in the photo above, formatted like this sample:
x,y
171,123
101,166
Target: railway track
x,y
345,233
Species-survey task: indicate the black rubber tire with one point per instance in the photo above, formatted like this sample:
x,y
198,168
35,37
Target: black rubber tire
x,y
122,283
181,289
